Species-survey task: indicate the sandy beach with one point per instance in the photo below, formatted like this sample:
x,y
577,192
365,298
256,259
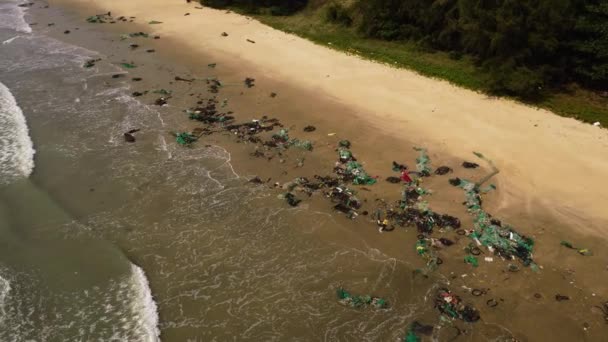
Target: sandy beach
x,y
554,161
211,255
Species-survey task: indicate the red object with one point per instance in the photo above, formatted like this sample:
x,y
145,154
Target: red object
x,y
405,177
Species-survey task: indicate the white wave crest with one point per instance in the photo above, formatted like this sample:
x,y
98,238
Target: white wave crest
x,y
16,147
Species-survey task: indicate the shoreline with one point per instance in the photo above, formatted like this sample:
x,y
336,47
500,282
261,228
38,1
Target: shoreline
x,y
534,149
298,105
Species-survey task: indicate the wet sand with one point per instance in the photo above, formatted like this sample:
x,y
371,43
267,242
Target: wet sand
x,y
368,117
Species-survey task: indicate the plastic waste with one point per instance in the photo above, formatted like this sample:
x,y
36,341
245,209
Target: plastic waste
x,y
345,298
422,162
185,139
472,260
581,251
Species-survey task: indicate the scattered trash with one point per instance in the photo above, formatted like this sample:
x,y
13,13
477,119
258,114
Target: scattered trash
x,y
91,63
129,137
156,37
538,296
561,298
477,292
212,65
597,124
185,139
162,92
250,82
136,79
393,180
422,162
99,18
346,298
470,259
66,32
128,65
501,239
273,95
581,251
137,94
411,336
189,80
310,129
224,34
469,165
160,101
150,51
292,200
488,259
117,75
133,46
154,22
251,41
492,303
452,306
443,170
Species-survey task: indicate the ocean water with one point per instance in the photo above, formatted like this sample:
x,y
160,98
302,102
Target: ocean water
x,y
101,240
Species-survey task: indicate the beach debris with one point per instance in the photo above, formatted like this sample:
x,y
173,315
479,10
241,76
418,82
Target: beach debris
x,y
597,124
251,41
134,35
422,162
133,46
273,95
118,75
137,94
469,165
351,170
224,34
212,65
411,336
561,298
128,65
161,101
214,85
66,32
154,22
156,37
443,170
310,128
129,137
292,200
99,18
186,14
162,92
354,301
471,260
185,139
136,79
393,180
91,62
451,305
189,80
581,251
500,239
250,82
150,50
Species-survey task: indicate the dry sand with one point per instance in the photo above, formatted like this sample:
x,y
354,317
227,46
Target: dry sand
x,y
558,162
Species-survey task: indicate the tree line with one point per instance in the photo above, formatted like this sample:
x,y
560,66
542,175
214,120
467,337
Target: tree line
x,y
526,46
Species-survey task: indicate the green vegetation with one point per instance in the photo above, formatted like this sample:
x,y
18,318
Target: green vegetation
x,y
548,53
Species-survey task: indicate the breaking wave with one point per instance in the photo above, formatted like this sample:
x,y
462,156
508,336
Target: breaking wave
x,y
16,147
12,17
